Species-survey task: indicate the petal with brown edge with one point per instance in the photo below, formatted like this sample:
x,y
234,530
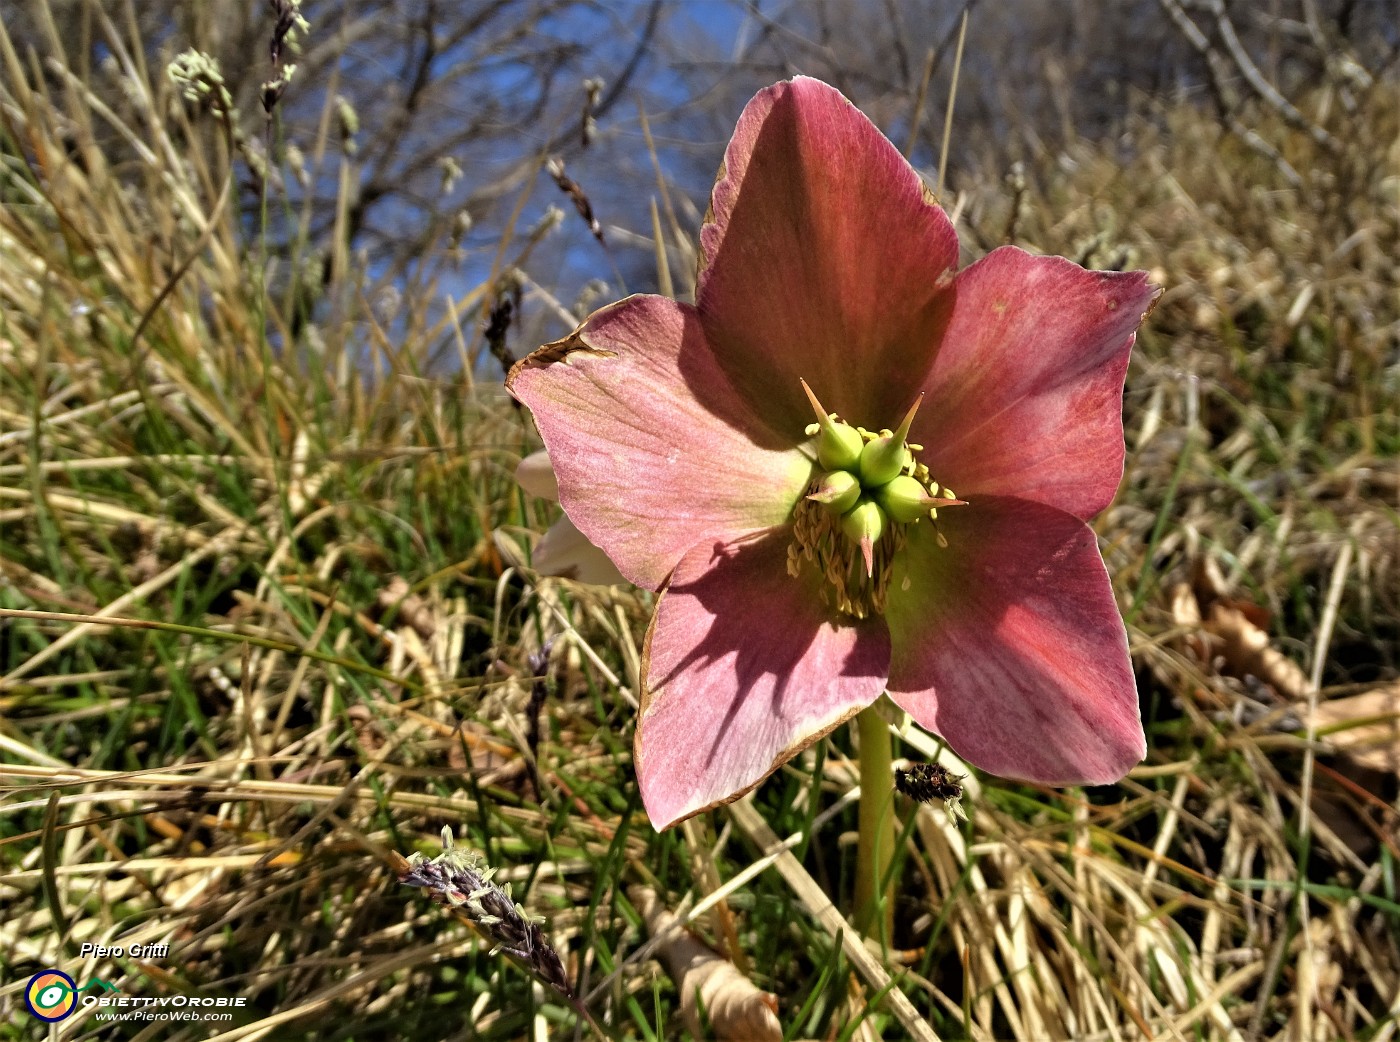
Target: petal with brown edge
x,y
822,258
1025,397
745,667
652,449
1008,643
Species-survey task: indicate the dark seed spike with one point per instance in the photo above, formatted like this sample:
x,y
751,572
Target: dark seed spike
x,y
926,782
497,325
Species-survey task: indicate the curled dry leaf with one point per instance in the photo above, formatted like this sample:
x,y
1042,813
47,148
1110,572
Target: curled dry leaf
x,y
412,608
1247,652
1185,611
736,1010
366,727
1373,739
1208,581
492,761
1234,631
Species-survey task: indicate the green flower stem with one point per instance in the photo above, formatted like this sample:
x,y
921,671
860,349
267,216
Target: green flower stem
x,y
875,847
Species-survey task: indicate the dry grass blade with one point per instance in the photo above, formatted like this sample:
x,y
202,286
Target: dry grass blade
x,y
817,904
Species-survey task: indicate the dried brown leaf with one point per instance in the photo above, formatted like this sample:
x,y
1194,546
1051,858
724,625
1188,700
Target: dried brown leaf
x,y
1207,581
366,727
736,1010
1186,611
1186,616
1373,737
1247,652
412,608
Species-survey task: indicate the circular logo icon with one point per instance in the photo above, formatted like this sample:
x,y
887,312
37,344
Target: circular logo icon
x,y
51,995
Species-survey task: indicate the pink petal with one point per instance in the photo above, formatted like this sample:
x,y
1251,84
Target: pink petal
x,y
652,449
1025,396
565,551
823,258
1008,643
745,668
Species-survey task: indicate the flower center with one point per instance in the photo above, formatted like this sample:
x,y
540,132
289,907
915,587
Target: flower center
x,y
853,519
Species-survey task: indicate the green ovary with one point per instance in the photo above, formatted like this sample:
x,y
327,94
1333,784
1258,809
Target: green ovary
x,y
852,522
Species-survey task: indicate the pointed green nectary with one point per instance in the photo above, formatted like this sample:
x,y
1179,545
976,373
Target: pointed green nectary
x,y
882,459
838,492
840,444
864,524
905,500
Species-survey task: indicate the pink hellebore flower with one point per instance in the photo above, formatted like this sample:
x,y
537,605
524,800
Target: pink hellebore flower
x,y
805,568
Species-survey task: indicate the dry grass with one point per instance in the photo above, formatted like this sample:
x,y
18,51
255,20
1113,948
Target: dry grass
x,y
267,620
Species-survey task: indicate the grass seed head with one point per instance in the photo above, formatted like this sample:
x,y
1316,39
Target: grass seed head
x,y
460,880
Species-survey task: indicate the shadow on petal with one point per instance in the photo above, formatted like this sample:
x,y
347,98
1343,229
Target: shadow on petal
x,y
1009,644
745,667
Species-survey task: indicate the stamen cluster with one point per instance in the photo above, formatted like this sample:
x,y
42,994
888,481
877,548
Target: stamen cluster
x,y
870,488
